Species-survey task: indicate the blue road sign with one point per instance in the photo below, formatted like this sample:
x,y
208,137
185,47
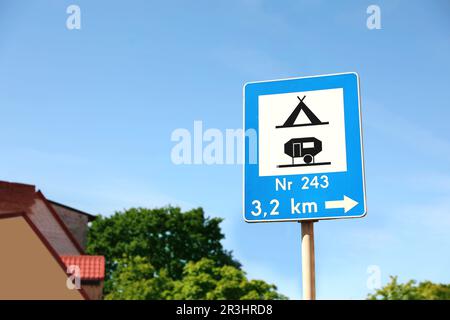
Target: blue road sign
x,y
303,149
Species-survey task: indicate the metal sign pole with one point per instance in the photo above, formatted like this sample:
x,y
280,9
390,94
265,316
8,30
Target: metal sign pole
x,y
308,261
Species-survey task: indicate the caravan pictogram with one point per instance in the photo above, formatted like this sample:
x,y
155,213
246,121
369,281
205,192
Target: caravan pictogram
x,y
305,148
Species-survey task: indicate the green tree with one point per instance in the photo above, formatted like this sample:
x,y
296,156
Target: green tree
x,y
203,280
167,238
166,254
135,278
412,290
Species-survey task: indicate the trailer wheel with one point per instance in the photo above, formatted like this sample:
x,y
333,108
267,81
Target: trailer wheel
x,y
308,158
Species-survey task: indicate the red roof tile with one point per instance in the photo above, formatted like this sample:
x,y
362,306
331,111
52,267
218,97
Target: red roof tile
x,y
91,267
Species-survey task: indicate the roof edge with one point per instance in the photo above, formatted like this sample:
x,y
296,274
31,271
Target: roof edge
x,y
12,215
91,217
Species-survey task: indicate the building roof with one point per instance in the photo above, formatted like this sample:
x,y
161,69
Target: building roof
x,y
91,267
23,200
90,216
17,197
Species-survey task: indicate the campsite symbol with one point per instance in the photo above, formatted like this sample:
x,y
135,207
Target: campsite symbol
x,y
306,148
290,122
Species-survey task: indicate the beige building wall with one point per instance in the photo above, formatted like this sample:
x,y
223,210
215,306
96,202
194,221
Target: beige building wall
x,y
28,270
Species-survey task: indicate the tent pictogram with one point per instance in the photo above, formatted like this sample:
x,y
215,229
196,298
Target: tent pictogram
x,y
290,122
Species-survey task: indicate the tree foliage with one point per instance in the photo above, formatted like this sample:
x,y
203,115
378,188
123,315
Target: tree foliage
x,y
412,290
166,254
166,237
135,278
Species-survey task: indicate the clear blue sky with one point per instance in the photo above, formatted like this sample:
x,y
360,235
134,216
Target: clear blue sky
x,y
87,116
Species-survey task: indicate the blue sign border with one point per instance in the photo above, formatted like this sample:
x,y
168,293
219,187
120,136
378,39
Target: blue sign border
x,y
350,183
